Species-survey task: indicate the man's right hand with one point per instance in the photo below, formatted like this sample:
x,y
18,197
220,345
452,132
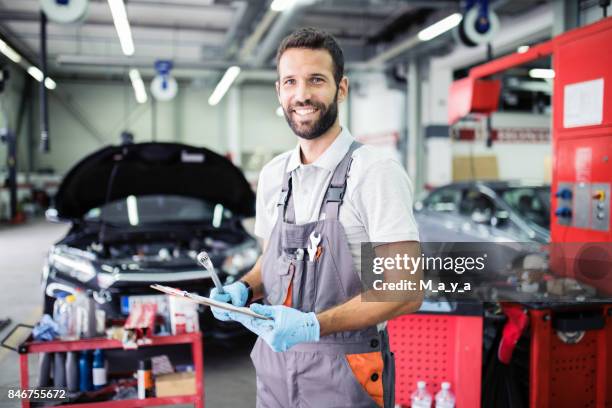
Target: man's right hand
x,y
236,293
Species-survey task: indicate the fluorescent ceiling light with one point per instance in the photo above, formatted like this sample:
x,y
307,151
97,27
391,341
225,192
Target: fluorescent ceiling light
x,y
122,25
139,88
440,27
50,84
522,49
541,73
36,73
224,84
9,52
280,112
281,5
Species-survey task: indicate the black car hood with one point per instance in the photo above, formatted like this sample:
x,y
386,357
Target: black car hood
x,y
153,168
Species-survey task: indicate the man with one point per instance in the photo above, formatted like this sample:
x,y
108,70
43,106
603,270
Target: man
x,y
316,204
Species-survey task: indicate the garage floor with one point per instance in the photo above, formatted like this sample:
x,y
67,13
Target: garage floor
x,y
229,374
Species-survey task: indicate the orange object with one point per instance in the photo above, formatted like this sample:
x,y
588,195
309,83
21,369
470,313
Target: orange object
x,y
319,251
368,369
287,301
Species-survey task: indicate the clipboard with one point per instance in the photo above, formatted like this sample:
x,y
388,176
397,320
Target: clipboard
x,y
208,301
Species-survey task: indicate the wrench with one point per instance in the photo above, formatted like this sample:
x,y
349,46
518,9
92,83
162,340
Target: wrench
x,y
315,239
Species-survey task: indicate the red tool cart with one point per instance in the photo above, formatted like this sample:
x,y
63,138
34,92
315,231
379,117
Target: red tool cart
x,y
193,339
436,347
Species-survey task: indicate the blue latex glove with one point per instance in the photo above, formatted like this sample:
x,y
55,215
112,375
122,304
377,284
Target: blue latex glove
x,y
46,329
289,327
236,293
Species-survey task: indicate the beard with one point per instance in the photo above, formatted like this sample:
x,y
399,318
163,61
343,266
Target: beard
x,y
315,128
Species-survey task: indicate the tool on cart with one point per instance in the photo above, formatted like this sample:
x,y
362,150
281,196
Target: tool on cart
x,y
205,261
208,301
139,326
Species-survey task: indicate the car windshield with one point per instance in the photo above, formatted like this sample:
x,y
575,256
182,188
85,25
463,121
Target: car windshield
x,y
532,203
159,209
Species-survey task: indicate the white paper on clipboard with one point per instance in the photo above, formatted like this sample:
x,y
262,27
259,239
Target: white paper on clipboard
x,y
208,301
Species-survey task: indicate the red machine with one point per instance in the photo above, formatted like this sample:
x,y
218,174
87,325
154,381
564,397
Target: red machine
x,y
582,142
568,372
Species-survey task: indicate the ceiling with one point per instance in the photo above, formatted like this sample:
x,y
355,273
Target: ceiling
x,y
210,35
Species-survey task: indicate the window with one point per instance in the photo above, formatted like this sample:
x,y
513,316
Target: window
x,y
477,206
443,200
532,204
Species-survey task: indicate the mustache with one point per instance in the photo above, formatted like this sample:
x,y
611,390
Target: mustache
x,y
307,104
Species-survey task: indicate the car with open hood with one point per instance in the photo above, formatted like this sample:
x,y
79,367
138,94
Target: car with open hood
x,y
140,213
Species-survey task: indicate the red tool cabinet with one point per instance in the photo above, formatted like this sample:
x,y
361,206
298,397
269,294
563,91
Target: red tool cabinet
x,y
193,339
570,375
435,348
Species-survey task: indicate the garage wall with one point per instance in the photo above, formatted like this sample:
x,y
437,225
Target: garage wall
x,y
87,116
261,129
376,112
516,160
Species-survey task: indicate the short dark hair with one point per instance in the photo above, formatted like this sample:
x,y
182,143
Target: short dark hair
x,y
314,39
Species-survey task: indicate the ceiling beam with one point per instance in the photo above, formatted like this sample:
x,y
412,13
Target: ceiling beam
x,y
30,17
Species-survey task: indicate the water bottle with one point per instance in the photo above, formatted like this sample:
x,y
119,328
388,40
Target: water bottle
x,y
420,398
445,397
99,369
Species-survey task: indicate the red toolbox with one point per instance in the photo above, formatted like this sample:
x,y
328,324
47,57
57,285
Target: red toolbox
x,y
571,356
437,347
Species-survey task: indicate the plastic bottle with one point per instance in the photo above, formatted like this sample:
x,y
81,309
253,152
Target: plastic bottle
x,y
59,370
85,372
421,398
90,307
44,370
145,379
80,314
99,370
59,314
72,371
70,312
445,397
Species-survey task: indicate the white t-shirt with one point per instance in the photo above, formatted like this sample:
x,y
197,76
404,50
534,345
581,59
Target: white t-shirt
x,y
377,205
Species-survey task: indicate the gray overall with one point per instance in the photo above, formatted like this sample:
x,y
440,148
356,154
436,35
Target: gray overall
x,y
316,375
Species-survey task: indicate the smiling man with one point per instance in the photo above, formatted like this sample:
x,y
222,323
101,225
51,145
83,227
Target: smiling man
x,y
324,346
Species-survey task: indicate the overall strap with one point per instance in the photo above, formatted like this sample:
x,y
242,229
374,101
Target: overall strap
x,y
285,201
337,185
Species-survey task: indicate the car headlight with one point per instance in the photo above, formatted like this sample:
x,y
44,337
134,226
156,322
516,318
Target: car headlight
x,y
79,269
241,257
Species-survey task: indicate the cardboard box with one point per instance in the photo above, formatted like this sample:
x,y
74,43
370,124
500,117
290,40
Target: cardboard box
x,y
169,385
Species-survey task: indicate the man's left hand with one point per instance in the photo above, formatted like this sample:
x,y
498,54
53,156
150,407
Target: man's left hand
x,y
289,327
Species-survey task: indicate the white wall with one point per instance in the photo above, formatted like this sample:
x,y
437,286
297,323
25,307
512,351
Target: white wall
x,y
187,119
261,129
516,160
375,111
